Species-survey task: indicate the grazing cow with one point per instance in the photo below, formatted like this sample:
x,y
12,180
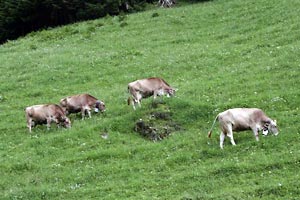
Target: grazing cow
x,y
144,88
82,103
241,119
45,114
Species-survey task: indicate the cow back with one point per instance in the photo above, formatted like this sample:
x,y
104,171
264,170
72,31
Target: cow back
x,y
150,84
74,103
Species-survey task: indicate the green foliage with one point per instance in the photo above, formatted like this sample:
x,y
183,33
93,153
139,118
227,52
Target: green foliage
x,y
19,17
218,54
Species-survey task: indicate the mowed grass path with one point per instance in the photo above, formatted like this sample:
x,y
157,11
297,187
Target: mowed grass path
x,y
218,54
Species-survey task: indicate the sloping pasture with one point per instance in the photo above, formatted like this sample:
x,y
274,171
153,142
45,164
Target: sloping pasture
x,y
219,54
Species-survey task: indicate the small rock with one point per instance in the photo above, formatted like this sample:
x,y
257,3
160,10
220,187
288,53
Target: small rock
x,y
104,135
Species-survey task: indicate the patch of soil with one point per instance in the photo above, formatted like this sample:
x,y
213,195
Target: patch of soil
x,y
157,125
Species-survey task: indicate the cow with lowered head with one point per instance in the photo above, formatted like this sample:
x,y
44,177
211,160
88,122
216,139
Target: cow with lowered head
x,y
145,88
241,119
46,114
83,103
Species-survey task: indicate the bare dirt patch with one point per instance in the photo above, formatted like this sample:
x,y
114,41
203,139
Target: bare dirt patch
x,y
157,125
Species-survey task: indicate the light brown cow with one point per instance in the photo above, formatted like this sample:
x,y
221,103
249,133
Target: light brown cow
x,y
241,119
145,88
83,103
45,114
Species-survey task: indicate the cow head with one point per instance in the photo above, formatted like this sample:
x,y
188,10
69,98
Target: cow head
x,y
270,126
170,92
99,106
66,122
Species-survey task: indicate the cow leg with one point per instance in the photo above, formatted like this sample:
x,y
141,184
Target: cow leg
x,y
29,124
82,113
30,127
255,132
84,110
48,123
57,122
139,99
136,99
133,103
158,94
155,93
89,113
222,137
230,134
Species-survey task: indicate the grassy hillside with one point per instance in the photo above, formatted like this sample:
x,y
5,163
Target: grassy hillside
x,y
220,54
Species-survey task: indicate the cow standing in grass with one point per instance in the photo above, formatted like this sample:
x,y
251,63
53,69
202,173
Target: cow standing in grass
x,y
46,114
83,103
145,88
241,119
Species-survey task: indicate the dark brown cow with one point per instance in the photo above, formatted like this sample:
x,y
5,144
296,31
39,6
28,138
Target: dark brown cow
x,y
241,119
45,114
83,103
145,88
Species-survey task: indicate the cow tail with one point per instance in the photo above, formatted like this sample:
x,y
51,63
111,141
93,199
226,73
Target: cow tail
x,y
130,91
129,100
210,131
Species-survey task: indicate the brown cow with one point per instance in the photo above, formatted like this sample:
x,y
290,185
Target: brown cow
x,y
144,88
241,119
83,103
45,114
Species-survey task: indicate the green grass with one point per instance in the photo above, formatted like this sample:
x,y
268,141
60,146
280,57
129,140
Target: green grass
x,y
218,54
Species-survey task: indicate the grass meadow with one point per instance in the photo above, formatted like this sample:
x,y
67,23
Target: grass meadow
x,y
219,54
